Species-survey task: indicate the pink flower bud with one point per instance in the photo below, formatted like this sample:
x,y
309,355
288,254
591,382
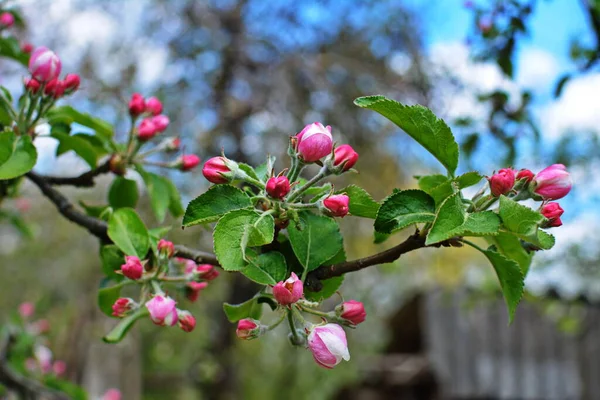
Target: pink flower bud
x,y
502,182
216,171
248,329
278,187
345,156
337,205
328,345
133,268
173,144
122,306
7,19
166,248
353,311
147,130
314,142
207,272
552,212
154,106
188,162
59,367
71,83
161,122
27,48
289,291
44,65
187,322
31,85
54,88
526,175
193,289
40,327
553,182
26,309
137,105
162,310
112,394
43,356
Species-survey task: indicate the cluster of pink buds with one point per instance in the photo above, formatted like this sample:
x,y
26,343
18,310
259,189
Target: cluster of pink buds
x,y
154,123
198,275
45,68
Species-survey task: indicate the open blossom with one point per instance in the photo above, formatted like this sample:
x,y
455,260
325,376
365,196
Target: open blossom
x,y
248,329
352,311
288,291
162,310
278,187
345,156
338,205
44,65
328,345
553,182
314,142
133,268
502,182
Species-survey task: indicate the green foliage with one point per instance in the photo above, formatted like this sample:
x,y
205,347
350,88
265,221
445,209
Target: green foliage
x,y
128,232
11,48
404,208
421,124
361,203
68,115
107,297
441,187
524,223
123,193
214,203
331,285
510,246
120,330
248,309
112,259
318,241
452,220
22,158
78,144
238,230
267,268
163,194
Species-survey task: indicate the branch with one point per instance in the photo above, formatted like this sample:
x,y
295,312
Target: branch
x,y
196,255
28,388
84,180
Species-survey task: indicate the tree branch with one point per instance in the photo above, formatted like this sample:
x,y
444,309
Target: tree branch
x,y
84,180
196,255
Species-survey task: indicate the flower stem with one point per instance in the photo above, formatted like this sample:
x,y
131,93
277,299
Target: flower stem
x,y
320,175
290,317
276,323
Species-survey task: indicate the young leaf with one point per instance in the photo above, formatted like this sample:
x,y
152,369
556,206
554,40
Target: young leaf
x,y
158,191
440,187
107,297
123,193
112,259
214,203
428,182
330,286
524,223
452,220
249,170
421,124
128,232
79,146
120,330
403,209
22,158
68,115
318,241
175,207
248,309
361,202
240,226
7,141
267,268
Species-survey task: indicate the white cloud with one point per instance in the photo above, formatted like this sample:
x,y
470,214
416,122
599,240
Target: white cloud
x,y
537,69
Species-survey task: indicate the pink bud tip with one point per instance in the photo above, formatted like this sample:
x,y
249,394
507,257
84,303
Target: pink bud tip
x,y
166,248
27,48
137,105
7,19
188,162
314,142
553,182
71,82
338,205
278,187
526,175
161,122
328,345
248,329
552,212
147,130
289,291
59,367
186,321
193,290
54,88
122,306
502,182
154,106
44,65
207,272
26,309
353,311
345,156
162,310
216,171
133,268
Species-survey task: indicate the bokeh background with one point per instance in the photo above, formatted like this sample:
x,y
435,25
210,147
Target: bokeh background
x,y
517,80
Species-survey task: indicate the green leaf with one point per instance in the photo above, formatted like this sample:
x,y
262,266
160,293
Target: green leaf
x,y
22,158
11,48
524,223
236,227
214,203
468,179
7,141
248,170
120,330
175,207
159,233
330,286
68,115
107,297
101,212
440,187
112,259
511,279
158,191
361,202
545,241
421,124
317,192
510,246
267,268
123,193
452,220
429,182
379,237
128,232
79,146
403,209
248,309
318,241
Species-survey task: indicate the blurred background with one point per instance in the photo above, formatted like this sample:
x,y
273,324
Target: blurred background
x,y
518,81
